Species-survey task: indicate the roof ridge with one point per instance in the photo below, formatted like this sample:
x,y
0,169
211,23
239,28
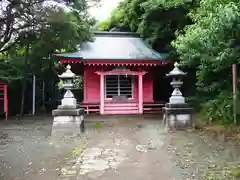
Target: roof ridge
x,y
117,34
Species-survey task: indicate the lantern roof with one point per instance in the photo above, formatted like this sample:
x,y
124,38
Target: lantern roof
x,y
68,94
68,73
110,46
176,71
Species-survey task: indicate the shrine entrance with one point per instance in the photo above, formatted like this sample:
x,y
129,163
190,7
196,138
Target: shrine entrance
x,y
118,85
117,91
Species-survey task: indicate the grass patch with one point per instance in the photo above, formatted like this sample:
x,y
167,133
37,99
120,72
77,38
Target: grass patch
x,y
224,175
236,172
98,125
228,131
77,151
199,124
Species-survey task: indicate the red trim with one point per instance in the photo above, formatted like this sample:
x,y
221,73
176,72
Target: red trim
x,y
104,63
121,72
84,85
126,63
69,61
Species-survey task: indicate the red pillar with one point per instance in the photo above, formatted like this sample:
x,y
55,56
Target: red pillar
x,y
85,85
101,94
140,93
5,100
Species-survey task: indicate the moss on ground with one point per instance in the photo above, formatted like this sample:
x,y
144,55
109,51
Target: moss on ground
x,y
98,125
77,151
236,172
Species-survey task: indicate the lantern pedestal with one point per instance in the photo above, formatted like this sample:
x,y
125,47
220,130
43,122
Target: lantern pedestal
x,y
177,113
177,116
68,120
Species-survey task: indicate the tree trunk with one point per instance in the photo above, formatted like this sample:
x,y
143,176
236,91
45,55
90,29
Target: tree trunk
x,y
43,96
24,82
23,95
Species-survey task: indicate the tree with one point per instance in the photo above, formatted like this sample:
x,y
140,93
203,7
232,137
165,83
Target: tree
x,y
211,45
31,31
19,16
155,21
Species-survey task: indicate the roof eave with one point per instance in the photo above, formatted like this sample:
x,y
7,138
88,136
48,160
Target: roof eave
x,y
112,60
123,60
67,57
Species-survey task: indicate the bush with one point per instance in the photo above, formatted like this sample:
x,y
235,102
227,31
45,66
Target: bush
x,y
219,109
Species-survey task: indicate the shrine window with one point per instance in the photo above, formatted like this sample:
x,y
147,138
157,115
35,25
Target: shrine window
x,y
118,85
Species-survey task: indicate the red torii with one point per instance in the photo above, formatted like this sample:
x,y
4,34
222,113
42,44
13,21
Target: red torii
x,y
3,89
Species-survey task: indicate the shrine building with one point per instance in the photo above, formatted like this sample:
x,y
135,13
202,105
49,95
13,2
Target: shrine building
x,y
122,74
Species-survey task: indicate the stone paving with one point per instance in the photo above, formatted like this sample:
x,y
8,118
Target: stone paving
x,y
119,148
129,150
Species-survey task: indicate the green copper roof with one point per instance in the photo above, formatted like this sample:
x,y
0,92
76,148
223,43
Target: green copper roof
x,y
115,46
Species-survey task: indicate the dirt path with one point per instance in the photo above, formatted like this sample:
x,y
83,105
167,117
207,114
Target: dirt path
x,y
119,148
129,151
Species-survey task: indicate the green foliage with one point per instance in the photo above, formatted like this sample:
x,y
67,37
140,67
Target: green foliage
x,y
211,46
219,109
224,177
60,84
54,30
10,70
224,173
236,172
103,25
78,82
221,174
203,34
155,20
29,49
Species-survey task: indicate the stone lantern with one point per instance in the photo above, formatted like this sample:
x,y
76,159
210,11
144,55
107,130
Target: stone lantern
x,y
177,113
68,119
176,74
67,79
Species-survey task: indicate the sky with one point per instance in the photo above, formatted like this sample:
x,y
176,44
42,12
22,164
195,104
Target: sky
x,y
100,13
104,10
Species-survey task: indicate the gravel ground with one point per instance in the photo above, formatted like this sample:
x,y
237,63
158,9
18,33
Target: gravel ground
x,y
200,155
28,152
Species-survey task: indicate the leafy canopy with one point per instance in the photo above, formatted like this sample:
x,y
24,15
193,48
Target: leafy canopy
x,y
31,30
211,45
155,20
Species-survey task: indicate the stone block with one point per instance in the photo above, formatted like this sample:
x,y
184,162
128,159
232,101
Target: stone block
x,y
177,118
69,101
65,125
181,106
177,100
64,110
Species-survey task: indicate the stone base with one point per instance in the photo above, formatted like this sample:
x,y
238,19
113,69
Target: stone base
x,y
67,126
177,100
177,118
68,122
66,110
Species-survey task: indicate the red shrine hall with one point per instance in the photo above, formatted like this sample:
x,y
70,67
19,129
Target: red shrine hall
x,y
122,74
